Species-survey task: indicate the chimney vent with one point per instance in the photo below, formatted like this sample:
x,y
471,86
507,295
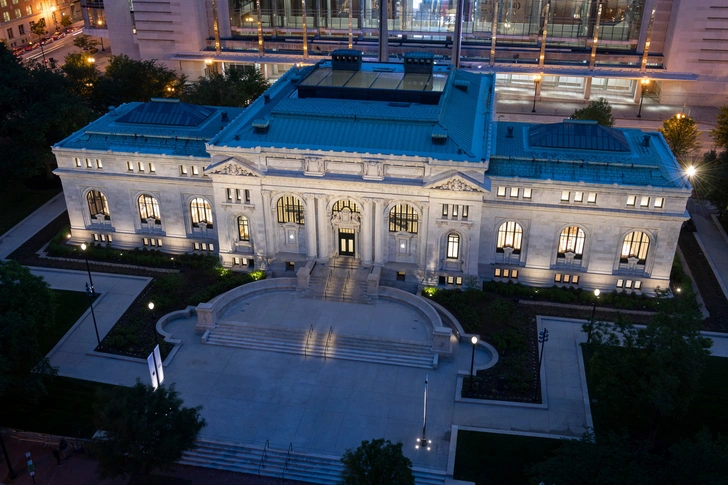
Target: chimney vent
x,y
646,141
510,132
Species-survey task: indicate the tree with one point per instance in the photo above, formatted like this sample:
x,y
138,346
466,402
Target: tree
x,y
711,180
37,110
651,373
377,462
681,134
144,429
599,110
66,21
719,134
86,43
616,458
700,459
82,75
128,80
235,87
26,307
39,28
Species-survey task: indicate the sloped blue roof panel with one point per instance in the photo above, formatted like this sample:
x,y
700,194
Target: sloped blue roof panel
x,y
168,113
577,134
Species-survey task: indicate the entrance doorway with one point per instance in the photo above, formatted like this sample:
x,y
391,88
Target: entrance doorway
x,y
346,242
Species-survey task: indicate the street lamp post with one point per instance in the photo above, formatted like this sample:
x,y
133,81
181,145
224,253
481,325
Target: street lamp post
x,y
591,321
100,23
150,305
645,81
543,337
11,473
474,341
423,442
93,315
536,80
88,268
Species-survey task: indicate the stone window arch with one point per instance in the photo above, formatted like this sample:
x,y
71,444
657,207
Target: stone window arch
x,y
289,209
149,208
403,218
243,229
571,241
200,212
453,246
98,205
510,236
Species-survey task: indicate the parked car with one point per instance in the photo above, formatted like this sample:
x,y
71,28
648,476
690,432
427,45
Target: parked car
x,y
47,41
32,46
18,51
58,35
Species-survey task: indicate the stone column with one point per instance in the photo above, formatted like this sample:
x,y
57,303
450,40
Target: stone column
x,y
378,232
310,223
323,229
366,232
422,237
268,227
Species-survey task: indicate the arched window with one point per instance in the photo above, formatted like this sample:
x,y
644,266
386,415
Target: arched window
x,y
510,235
97,204
403,218
635,245
149,209
340,205
201,212
243,228
290,209
453,246
572,241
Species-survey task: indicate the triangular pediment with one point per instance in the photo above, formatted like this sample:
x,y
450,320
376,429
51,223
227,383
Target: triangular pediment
x,y
232,166
456,183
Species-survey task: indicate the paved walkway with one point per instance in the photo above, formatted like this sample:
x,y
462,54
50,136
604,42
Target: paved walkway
x,y
711,239
25,229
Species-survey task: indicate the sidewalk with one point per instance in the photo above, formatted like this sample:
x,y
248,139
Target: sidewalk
x,y
25,229
711,239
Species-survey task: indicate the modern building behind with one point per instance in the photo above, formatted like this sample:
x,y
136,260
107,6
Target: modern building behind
x,y
399,166
18,16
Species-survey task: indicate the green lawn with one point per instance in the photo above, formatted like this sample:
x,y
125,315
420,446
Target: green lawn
x,y
67,409
70,305
23,201
494,459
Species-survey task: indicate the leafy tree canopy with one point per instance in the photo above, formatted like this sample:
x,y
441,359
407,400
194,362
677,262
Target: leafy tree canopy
x,y
599,110
711,180
145,429
26,307
83,76
86,43
377,462
66,21
128,80
36,111
681,134
720,133
39,28
235,87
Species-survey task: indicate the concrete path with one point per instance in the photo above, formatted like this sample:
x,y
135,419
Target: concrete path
x,y
28,227
711,239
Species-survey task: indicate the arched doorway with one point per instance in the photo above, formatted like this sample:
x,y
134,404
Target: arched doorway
x,y
346,220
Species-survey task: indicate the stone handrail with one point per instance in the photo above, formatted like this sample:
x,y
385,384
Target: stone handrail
x,y
373,282
207,313
303,275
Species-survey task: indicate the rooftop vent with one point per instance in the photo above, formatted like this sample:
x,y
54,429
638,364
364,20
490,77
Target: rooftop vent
x,y
462,84
346,60
646,141
418,62
439,137
266,98
224,117
510,132
261,126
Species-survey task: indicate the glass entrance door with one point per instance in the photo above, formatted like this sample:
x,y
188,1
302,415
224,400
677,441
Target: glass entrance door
x,y
346,242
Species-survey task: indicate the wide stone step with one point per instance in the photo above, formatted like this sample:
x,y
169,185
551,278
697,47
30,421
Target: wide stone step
x,y
322,469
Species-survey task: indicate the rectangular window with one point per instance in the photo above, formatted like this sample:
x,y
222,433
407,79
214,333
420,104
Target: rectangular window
x,y
3,3
6,18
565,194
501,192
592,199
497,272
575,279
566,278
212,247
99,164
108,238
620,283
290,265
145,241
465,211
96,237
88,163
628,284
444,210
645,201
29,10
77,161
247,196
151,168
659,202
153,242
159,243
631,200
455,210
204,246
514,274
637,285
140,166
21,28
195,170
450,280
441,280
229,193
129,167
578,196
401,276
506,273
459,281
103,237
514,192
10,31
183,169
557,278
526,193
196,246
236,261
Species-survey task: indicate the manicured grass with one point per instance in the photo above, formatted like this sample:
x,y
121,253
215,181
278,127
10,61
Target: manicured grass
x,y
66,410
706,411
494,459
70,305
23,201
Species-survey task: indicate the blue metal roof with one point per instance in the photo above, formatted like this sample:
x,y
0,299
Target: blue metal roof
x,y
577,134
167,112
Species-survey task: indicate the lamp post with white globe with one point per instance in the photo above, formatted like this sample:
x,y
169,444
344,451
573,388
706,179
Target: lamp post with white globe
x,y
591,321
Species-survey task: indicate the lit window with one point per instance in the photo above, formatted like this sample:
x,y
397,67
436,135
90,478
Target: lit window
x,y
459,281
98,163
236,261
183,169
77,161
465,211
565,195
153,242
88,163
145,241
290,209
204,246
514,274
238,195
572,241
645,201
592,198
514,192
635,245
510,235
620,283
450,280
628,284
195,170
444,210
455,210
229,193
403,218
566,278
196,246
659,202
151,167
453,246
506,273
401,276
247,196
140,166
243,229
501,192
6,18
575,279
159,243
97,204
29,10
108,238
497,272
526,193
557,278
149,208
578,196
129,166
637,285
96,237
631,200
201,212
212,247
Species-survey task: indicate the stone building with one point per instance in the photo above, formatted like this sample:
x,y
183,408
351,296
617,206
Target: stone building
x,y
395,166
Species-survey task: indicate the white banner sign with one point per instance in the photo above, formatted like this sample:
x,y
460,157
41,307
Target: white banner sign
x,y
156,370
